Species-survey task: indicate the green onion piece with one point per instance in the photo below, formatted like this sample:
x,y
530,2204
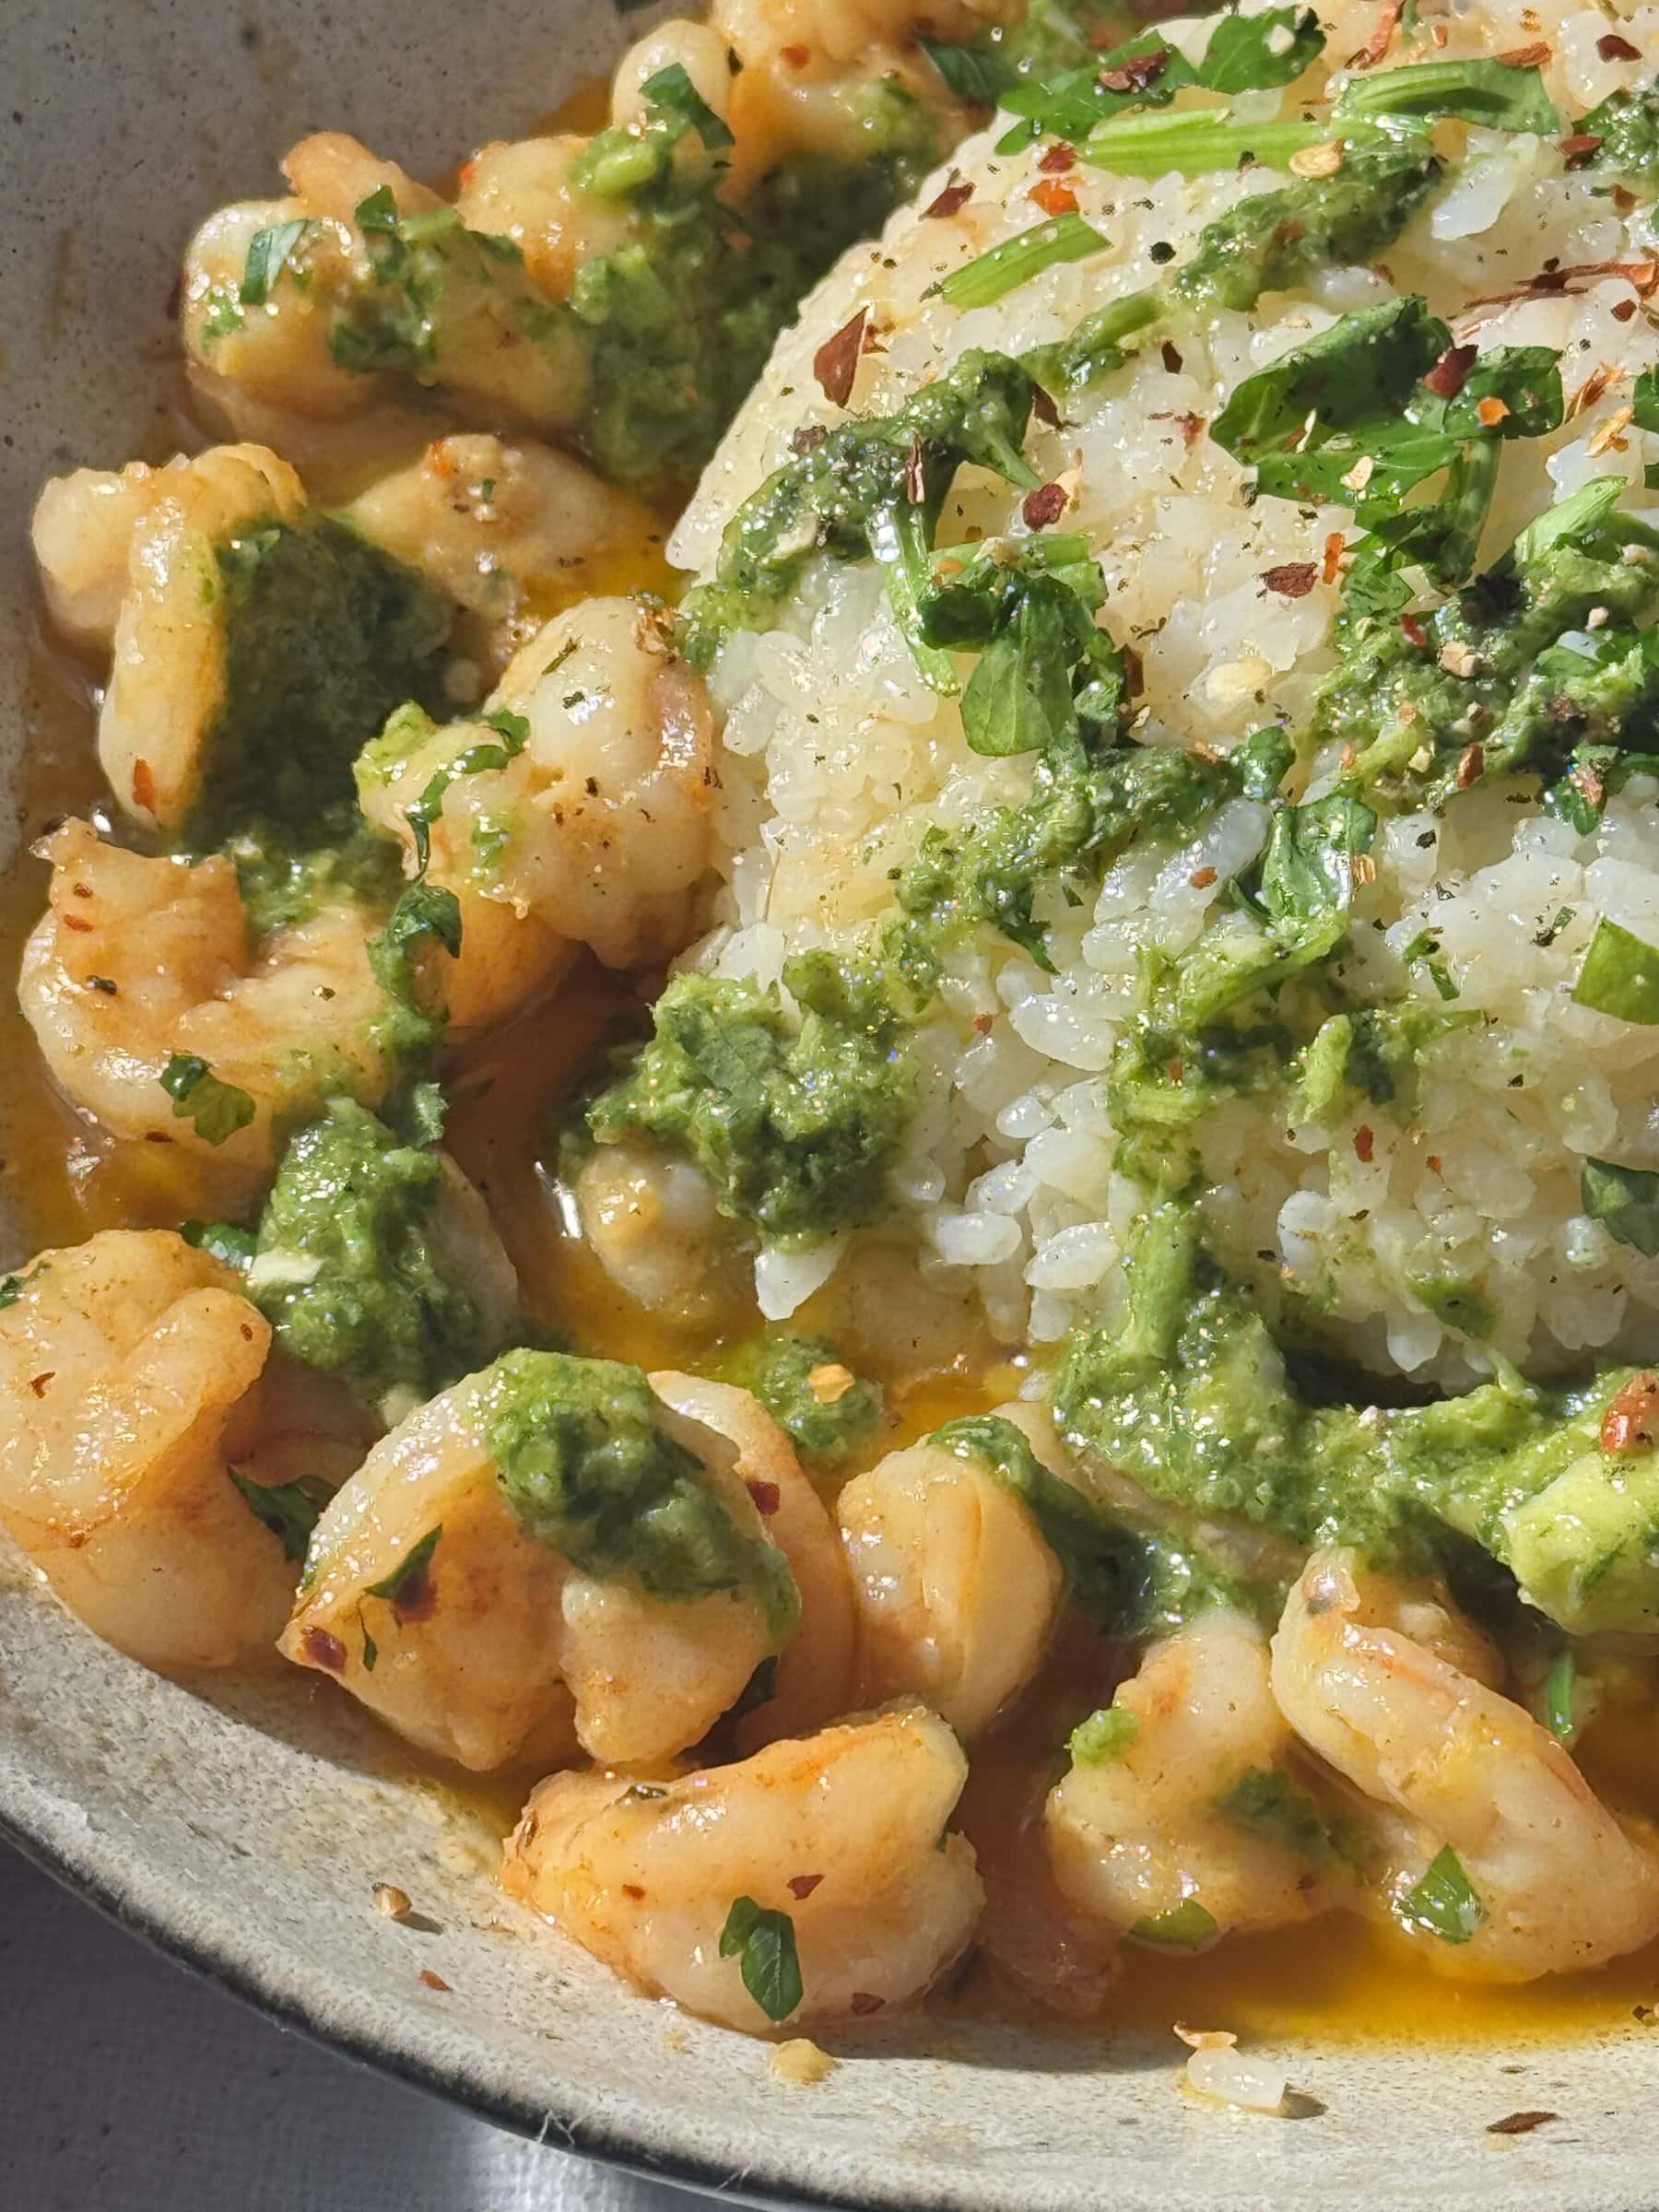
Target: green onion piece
x,y
1193,143
1620,976
771,1966
1558,1696
1018,260
1488,92
1103,1736
1185,1928
269,252
981,78
1443,1902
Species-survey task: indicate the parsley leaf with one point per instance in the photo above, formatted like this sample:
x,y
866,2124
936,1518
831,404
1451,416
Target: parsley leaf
x,y
269,252
969,72
765,1941
1255,53
290,1509
226,1242
473,761
1621,975
1188,1927
219,1110
671,95
406,1585
1443,1902
1625,1200
1103,1736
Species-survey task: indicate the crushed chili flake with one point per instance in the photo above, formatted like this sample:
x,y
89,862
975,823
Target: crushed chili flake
x,y
1382,38
1612,48
1336,546
323,1650
1471,765
915,472
1520,2124
1491,410
632,1890
1054,197
1414,632
835,363
956,195
1624,311
1171,358
1578,145
1134,672
1591,389
1631,1421
144,785
1136,71
1043,506
1291,579
1451,372
1364,1143
1058,159
1527,57
861,2002
803,1885
767,1497
38,1383
1044,408
806,437
1190,425
1608,437
983,1024
78,923
1201,879
1434,1163
796,56
431,1980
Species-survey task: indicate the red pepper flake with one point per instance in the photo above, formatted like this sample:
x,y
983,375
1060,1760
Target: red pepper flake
x,y
1043,408
861,2002
1364,1143
1380,40
1287,234
983,1024
417,1599
78,923
835,363
1578,146
1171,358
956,195
1491,410
1336,546
806,437
1434,1163
144,785
1585,779
1134,672
803,1885
1190,425
1624,311
38,1383
1058,159
1527,57
1043,506
767,1497
323,1650
1291,579
1201,879
632,1890
1520,2124
1612,48
1054,197
1136,71
434,1981
1471,766
1629,1423
1451,372
796,56
1414,634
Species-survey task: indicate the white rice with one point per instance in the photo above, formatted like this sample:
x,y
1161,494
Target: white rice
x,y
837,755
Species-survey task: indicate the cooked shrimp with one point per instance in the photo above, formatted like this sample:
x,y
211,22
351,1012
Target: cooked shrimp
x,y
138,960
1557,1883
956,1592
653,1224
166,674
844,1832
444,308
498,1648
525,189
1188,1808
814,1680
130,1382
594,833
498,526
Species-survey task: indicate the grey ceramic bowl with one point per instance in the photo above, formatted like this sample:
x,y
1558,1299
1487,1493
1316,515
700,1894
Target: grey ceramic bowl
x,y
244,1831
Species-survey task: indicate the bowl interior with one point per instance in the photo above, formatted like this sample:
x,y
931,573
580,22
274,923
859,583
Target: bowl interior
x,y
246,1829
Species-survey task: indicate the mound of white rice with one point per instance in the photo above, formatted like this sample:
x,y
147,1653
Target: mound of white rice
x,y
838,756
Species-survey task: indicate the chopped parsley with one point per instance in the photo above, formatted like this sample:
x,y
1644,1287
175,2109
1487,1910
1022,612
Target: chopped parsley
x,y
219,1110
764,1943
